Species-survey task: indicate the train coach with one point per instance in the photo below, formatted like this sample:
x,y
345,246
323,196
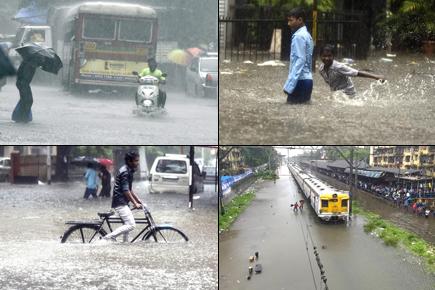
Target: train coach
x,y
328,202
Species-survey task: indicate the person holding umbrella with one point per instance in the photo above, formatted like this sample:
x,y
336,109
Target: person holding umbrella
x,y
105,177
34,56
91,181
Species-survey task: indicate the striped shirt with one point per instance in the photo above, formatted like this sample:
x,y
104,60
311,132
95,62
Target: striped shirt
x,y
123,183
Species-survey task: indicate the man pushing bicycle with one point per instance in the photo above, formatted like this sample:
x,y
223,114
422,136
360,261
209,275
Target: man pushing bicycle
x,y
123,194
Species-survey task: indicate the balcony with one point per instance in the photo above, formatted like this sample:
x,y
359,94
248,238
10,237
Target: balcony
x,y
424,150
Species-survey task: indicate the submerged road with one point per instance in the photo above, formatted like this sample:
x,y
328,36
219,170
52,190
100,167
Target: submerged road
x,y
351,258
32,219
251,101
60,117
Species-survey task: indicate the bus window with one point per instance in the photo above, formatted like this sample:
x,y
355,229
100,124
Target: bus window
x,y
135,30
99,28
324,203
344,203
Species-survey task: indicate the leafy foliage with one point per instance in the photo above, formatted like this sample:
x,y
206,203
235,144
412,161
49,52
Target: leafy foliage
x,y
234,208
256,156
411,22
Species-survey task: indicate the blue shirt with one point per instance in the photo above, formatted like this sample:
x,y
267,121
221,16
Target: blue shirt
x,y
123,183
91,178
300,59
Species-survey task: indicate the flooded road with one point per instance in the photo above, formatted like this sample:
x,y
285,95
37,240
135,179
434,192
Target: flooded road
x,y
351,258
60,117
252,102
32,257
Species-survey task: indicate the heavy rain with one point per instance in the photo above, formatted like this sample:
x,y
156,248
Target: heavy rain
x,y
142,69
34,213
374,44
267,239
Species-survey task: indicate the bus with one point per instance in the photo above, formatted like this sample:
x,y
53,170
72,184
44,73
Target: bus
x,y
328,202
101,43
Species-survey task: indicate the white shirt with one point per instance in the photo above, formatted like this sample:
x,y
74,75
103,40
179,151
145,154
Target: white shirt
x,y
337,77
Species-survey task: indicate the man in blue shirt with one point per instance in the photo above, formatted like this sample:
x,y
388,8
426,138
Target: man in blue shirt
x,y
299,84
91,181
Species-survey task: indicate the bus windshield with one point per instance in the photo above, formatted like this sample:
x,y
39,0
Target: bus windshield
x,y
99,28
137,30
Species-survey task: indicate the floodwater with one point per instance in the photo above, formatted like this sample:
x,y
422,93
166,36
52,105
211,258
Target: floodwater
x,y
99,117
423,227
32,257
398,111
351,258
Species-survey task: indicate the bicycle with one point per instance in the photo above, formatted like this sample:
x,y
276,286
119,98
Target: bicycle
x,y
91,231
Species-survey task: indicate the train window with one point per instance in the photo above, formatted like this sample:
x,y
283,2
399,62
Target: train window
x,y
333,200
344,203
324,203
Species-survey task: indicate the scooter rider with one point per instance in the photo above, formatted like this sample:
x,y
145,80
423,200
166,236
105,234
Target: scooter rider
x,y
152,70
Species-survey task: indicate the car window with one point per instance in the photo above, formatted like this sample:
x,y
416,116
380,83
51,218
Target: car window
x,y
172,166
7,162
209,65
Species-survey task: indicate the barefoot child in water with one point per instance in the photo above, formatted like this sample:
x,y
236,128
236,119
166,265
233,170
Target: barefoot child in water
x,y
337,75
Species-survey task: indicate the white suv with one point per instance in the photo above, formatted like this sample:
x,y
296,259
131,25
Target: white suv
x,y
172,172
5,168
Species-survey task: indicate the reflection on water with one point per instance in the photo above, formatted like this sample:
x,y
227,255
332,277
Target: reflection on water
x,y
32,257
399,110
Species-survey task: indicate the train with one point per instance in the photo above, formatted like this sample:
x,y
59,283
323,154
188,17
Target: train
x,y
327,202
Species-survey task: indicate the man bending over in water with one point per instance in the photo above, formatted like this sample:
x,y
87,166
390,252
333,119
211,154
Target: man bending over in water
x,y
337,75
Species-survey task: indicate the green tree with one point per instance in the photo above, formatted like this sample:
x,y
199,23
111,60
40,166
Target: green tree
x,y
255,156
358,153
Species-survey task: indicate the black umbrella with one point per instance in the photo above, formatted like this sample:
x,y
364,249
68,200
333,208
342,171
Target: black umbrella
x,y
85,160
6,67
44,57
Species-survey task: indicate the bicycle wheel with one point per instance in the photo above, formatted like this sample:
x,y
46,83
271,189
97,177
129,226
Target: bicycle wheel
x,y
80,234
166,234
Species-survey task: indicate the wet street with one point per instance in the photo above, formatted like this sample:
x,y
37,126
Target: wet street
x,y
252,102
62,118
31,256
351,258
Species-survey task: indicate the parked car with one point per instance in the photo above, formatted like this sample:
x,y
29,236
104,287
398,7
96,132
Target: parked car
x,y
210,174
202,76
171,173
5,168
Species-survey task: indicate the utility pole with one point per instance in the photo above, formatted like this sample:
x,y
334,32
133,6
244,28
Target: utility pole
x,y
48,165
191,185
221,157
143,165
314,34
350,181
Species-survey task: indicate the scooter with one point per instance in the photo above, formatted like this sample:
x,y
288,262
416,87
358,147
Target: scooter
x,y
147,94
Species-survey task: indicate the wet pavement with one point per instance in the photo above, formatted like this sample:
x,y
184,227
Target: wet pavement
x,y
32,257
252,102
351,258
60,117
